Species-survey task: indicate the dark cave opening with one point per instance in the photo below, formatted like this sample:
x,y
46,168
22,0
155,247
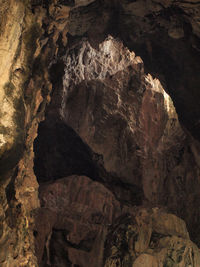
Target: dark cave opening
x,y
60,152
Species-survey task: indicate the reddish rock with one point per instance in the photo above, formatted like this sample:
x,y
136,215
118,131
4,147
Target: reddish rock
x,y
82,224
77,212
129,124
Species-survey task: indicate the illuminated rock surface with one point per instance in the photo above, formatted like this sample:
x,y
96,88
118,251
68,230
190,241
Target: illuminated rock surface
x,y
111,158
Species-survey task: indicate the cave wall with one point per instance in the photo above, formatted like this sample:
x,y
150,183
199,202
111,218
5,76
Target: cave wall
x,y
25,90
130,140
19,196
40,41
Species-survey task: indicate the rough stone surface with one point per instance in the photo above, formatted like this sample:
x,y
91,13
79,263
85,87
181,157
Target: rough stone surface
x,y
80,210
19,188
164,33
24,93
128,121
83,224
123,133
125,236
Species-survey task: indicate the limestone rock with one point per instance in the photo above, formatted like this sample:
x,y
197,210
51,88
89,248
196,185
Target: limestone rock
x,y
21,98
146,260
128,127
162,250
127,124
12,106
81,223
132,124
169,224
80,210
113,116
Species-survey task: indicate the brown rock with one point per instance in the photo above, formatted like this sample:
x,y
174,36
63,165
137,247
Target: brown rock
x,y
162,250
128,122
125,118
146,260
80,210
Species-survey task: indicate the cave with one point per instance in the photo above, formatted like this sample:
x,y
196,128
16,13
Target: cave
x,y
99,133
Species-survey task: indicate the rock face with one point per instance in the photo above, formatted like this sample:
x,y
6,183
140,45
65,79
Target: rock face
x,y
79,211
84,225
110,129
139,242
24,93
166,35
125,128
19,188
122,114
130,125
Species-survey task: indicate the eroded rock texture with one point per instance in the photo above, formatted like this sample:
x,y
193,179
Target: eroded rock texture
x,y
124,126
166,35
111,148
83,224
80,211
24,93
148,240
18,194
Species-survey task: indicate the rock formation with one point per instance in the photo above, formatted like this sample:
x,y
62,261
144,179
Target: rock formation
x,y
99,133
146,239
86,217
131,127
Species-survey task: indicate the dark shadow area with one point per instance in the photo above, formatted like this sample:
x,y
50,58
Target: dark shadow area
x,y
60,152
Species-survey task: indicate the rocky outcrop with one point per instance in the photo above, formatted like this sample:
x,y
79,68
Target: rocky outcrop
x,y
112,123
128,126
126,117
24,93
77,212
84,225
19,188
164,33
148,240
